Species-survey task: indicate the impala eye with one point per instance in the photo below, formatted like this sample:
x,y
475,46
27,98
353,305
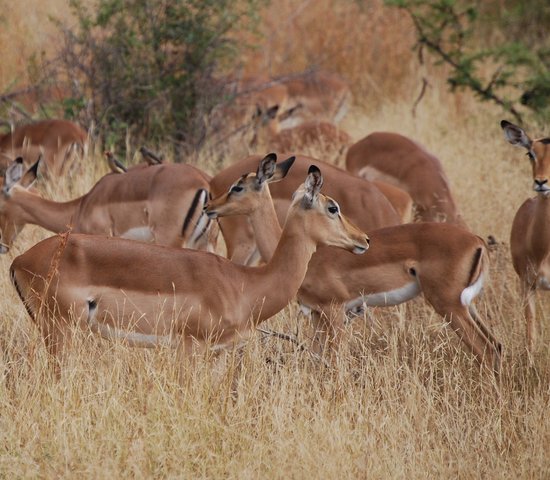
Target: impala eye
x,y
236,188
333,209
531,156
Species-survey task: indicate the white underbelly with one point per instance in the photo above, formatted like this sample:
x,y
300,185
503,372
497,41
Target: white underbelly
x,y
143,234
386,299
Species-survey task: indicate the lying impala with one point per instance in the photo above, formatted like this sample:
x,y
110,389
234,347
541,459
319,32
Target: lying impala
x,y
149,294
162,204
396,159
363,202
54,139
444,262
530,236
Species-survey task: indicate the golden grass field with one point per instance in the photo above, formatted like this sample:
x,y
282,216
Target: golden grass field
x,y
403,401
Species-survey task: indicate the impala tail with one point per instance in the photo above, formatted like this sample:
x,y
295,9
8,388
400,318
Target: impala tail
x,y
476,279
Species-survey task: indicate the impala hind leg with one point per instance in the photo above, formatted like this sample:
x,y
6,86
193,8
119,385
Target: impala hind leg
x,y
485,349
528,291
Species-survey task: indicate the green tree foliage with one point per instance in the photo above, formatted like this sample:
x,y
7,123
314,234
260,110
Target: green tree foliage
x,y
148,66
511,72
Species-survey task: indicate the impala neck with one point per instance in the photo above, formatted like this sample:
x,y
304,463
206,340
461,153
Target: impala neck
x,y
275,284
267,229
540,233
53,216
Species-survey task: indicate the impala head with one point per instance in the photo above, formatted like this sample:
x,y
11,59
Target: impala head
x,y
247,193
321,216
538,152
15,178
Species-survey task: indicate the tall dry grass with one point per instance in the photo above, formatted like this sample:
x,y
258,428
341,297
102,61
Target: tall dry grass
x,y
403,401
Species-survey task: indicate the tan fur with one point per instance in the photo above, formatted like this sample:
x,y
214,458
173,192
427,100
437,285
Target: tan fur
x,y
396,159
530,234
192,297
53,138
363,203
156,198
441,259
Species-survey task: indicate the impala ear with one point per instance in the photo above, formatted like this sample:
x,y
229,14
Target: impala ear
x,y
31,174
266,169
14,173
516,135
282,169
312,185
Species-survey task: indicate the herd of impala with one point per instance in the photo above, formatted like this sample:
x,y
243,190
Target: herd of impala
x,y
118,268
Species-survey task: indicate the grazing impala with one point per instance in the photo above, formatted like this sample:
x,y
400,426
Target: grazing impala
x,y
162,204
54,139
444,262
362,201
396,159
149,294
530,236
315,96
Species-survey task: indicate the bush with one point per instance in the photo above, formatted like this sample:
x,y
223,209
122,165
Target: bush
x,y
148,67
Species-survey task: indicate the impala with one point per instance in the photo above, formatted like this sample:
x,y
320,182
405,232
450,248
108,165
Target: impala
x,y
396,159
315,96
444,262
162,204
362,201
530,236
56,140
149,294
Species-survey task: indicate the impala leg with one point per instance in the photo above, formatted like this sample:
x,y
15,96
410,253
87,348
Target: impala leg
x,y
486,331
486,349
528,299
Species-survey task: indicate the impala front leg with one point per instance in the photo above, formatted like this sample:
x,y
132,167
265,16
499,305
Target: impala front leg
x,y
528,291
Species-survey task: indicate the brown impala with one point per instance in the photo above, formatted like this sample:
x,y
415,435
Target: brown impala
x,y
530,236
54,139
396,159
150,294
444,262
161,204
362,201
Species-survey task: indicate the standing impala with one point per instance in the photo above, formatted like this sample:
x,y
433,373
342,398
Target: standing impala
x,y
530,236
150,294
444,262
54,139
398,160
362,201
161,204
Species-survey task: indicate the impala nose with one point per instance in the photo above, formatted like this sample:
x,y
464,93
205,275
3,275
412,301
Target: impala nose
x,y
541,184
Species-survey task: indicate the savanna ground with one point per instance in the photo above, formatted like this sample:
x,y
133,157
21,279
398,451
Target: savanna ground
x,y
404,400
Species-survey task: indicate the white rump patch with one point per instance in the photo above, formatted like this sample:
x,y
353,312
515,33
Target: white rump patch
x,y
471,292
143,234
386,299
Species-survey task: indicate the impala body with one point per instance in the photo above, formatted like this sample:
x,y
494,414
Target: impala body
x,y
530,235
149,294
54,139
161,204
396,159
363,202
444,262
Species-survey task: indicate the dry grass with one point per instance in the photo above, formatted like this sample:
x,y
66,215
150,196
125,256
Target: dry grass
x,y
404,401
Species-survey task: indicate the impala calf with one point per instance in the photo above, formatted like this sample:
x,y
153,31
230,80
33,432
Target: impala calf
x,y
161,204
398,160
530,235
149,294
444,262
